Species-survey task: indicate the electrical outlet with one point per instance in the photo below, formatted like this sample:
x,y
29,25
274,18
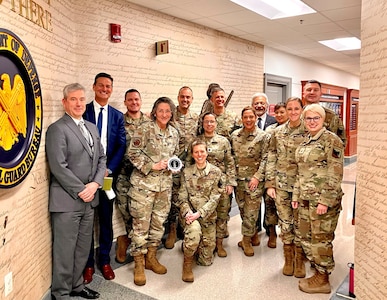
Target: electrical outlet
x,y
8,285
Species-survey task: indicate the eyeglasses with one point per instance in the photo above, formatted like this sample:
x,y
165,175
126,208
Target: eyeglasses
x,y
315,119
209,122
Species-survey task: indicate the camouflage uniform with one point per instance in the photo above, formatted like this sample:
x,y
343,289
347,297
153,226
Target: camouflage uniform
x,y
219,154
281,174
250,153
151,190
187,126
319,174
334,124
271,216
123,180
227,122
199,191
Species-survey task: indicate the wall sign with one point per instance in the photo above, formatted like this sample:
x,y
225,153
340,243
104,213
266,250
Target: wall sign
x,y
21,112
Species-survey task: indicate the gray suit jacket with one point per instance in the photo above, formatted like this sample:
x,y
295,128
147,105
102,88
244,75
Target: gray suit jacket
x,y
72,164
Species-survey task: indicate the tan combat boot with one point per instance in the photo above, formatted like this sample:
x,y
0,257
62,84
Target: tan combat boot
x,y
299,265
288,268
171,239
318,283
187,269
245,244
255,239
122,245
272,242
151,262
219,248
139,272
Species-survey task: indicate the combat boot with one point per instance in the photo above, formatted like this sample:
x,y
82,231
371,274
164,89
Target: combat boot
x,y
171,239
122,245
255,239
151,262
219,248
299,265
288,268
245,244
272,242
318,283
139,272
187,269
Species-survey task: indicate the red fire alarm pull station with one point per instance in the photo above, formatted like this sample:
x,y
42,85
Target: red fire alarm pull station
x,y
162,47
115,33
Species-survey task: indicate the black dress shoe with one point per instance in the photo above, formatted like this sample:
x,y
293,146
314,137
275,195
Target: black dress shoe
x,y
85,293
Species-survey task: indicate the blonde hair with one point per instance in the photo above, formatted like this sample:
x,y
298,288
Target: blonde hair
x,y
316,108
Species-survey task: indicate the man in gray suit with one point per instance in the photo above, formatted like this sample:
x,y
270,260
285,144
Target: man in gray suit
x,y
77,163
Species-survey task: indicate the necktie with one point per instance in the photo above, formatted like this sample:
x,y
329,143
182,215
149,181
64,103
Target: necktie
x,y
260,123
99,122
86,134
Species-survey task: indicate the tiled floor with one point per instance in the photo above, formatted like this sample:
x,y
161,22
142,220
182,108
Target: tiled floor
x,y
236,276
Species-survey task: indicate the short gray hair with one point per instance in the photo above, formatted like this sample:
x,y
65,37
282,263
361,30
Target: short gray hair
x,y
260,95
71,88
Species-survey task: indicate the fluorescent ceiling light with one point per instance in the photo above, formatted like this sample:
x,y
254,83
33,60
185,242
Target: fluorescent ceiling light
x,y
276,9
350,43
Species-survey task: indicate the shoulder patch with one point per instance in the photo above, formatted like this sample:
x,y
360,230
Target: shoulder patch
x,y
336,153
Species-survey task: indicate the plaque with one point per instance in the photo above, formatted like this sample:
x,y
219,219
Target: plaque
x,y
175,164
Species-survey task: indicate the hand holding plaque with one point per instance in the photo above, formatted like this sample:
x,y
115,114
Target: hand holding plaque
x,y
175,164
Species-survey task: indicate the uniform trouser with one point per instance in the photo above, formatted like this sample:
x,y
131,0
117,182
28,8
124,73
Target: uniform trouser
x,y
105,220
200,239
271,217
122,200
223,210
174,212
287,218
149,211
71,235
317,233
248,203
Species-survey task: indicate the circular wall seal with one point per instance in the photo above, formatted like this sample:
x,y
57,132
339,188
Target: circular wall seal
x,y
21,113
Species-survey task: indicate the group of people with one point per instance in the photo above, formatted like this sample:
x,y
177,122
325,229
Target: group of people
x,y
294,161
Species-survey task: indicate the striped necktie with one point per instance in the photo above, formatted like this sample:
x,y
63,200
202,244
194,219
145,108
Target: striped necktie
x,y
86,135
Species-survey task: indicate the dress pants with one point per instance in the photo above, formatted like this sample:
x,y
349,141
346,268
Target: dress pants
x,y
105,215
71,235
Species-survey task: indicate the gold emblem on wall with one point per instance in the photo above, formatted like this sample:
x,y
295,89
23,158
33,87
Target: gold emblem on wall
x,y
13,116
20,110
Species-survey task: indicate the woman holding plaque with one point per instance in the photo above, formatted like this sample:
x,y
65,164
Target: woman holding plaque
x,y
150,150
317,195
199,194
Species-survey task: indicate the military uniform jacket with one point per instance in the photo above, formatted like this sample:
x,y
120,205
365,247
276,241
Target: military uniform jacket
x,y
148,146
281,164
227,123
131,125
320,169
199,191
187,126
219,154
250,153
334,124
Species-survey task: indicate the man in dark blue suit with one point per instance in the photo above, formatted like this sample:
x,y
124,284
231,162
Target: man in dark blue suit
x,y
260,102
110,123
